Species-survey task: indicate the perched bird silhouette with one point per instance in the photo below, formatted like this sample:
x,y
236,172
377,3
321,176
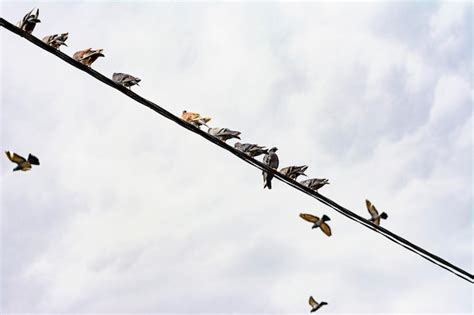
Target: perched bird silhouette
x,y
223,134
88,56
22,163
270,159
29,21
375,216
315,183
315,305
251,149
317,222
56,40
195,119
126,80
294,171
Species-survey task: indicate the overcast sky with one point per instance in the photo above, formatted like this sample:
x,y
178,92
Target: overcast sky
x,y
128,212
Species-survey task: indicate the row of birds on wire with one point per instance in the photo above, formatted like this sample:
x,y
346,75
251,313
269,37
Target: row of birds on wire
x,y
270,158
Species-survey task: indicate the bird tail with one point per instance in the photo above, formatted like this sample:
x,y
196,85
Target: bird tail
x,y
325,218
383,215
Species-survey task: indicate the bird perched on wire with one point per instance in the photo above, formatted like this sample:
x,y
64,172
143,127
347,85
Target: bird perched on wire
x,y
375,216
317,222
315,183
270,159
294,171
195,119
315,305
22,163
251,149
224,134
29,21
126,80
56,40
88,56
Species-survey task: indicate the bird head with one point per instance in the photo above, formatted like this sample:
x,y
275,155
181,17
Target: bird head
x,y
274,149
33,17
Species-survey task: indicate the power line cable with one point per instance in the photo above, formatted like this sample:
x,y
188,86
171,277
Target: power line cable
x,y
349,214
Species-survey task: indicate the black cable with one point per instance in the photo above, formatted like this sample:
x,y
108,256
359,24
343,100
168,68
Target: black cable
x,y
351,215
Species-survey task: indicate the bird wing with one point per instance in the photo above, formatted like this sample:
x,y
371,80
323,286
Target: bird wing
x,y
372,210
325,228
33,159
312,302
309,217
15,158
274,161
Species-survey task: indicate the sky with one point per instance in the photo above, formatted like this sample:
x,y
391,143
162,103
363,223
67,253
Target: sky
x,y
130,213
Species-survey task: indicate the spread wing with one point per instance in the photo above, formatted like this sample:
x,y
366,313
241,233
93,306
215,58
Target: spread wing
x,y
372,210
325,228
15,158
312,302
309,217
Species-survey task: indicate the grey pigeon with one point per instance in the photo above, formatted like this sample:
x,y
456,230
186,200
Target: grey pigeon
x,y
294,171
22,163
29,21
251,149
375,216
223,134
315,305
56,40
317,222
270,159
315,183
126,80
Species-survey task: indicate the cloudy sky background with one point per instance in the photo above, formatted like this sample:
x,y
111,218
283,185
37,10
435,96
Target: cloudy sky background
x,y
128,212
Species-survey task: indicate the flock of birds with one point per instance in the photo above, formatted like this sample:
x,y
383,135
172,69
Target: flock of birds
x,y
270,158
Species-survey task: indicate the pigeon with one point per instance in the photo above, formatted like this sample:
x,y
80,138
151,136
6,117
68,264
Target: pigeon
x,y
315,305
88,56
375,216
29,21
294,171
223,134
56,40
270,159
126,80
251,149
321,223
22,163
195,119
315,183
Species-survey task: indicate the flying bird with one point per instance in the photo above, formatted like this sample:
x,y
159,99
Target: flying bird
x,y
56,40
375,216
251,149
317,222
270,159
315,305
88,56
126,80
29,21
22,163
195,119
315,183
294,171
224,134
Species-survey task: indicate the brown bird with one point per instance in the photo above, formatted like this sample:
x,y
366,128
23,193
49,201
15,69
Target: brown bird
x,y
126,80
195,119
375,216
294,171
22,163
29,21
315,305
317,222
315,183
88,56
56,40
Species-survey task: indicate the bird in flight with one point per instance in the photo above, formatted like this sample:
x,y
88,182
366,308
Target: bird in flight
x,y
317,222
270,159
375,216
315,305
56,40
88,56
315,183
126,80
224,134
251,149
195,119
29,21
22,163
294,171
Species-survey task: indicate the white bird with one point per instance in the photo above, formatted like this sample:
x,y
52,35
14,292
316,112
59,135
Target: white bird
x,y
56,40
